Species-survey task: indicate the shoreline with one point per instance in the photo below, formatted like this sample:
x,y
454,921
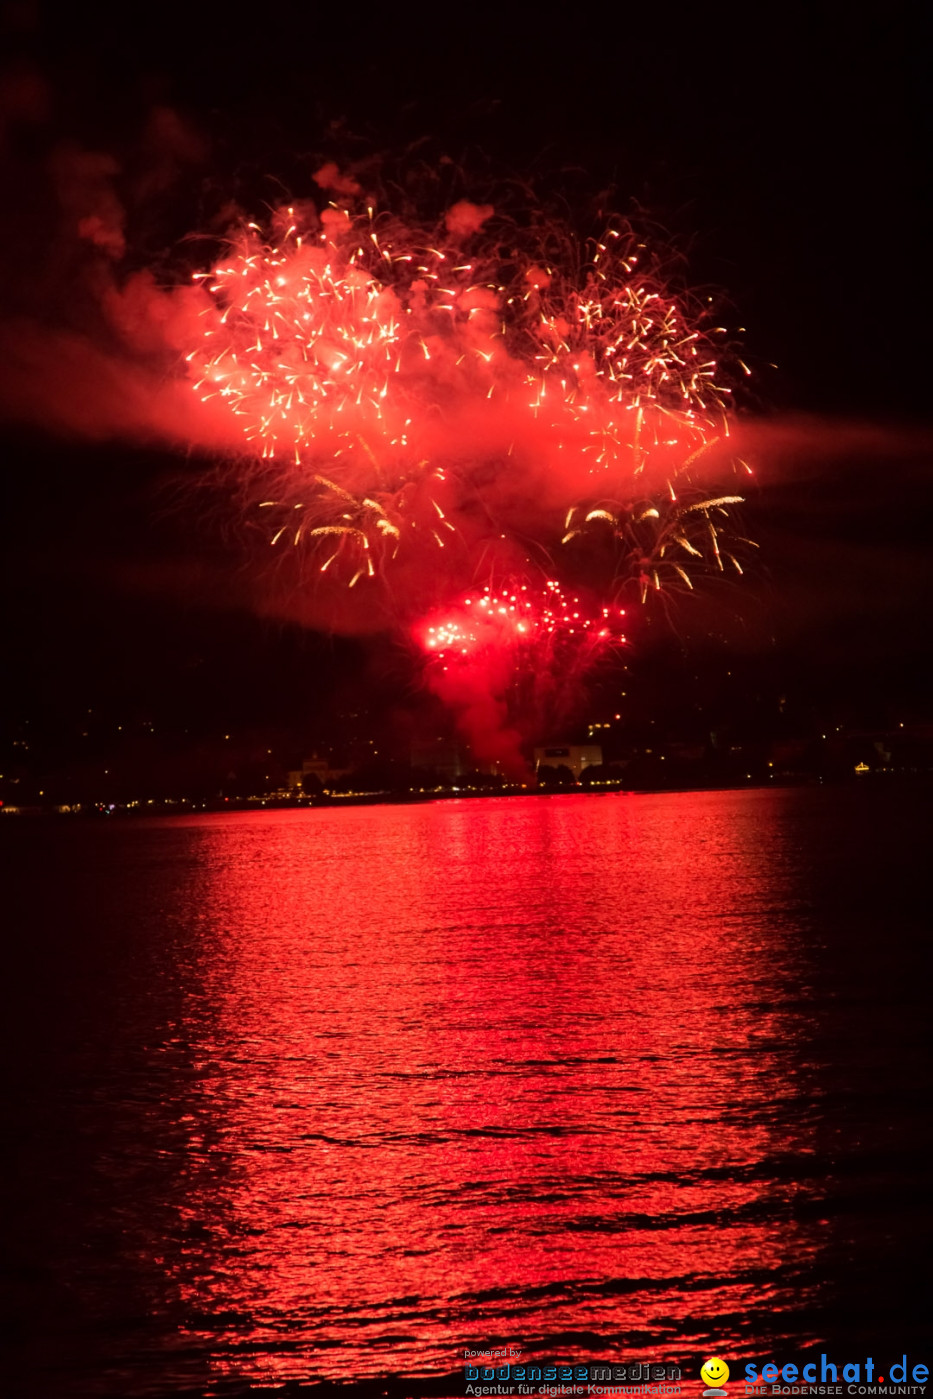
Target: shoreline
x,y
335,801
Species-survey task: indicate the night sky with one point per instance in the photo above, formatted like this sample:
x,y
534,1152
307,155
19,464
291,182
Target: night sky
x,y
782,150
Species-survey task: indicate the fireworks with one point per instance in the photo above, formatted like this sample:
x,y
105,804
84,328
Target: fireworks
x,y
401,390
519,620
661,541
425,410
512,658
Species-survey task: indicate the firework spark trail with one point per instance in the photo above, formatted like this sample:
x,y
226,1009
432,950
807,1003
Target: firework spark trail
x,y
440,404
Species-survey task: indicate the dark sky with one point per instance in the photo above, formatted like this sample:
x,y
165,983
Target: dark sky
x,y
781,146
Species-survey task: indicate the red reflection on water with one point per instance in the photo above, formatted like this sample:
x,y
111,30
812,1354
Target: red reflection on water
x,y
506,1068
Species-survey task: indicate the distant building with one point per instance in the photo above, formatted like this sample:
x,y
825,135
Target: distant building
x,y
440,755
311,767
575,756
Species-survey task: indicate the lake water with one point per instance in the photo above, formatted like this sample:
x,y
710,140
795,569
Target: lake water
x,y
338,1094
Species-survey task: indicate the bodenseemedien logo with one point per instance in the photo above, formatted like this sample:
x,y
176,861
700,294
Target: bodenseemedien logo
x,y
714,1373
642,1378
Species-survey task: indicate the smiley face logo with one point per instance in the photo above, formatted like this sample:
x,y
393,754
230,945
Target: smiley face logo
x,y
714,1373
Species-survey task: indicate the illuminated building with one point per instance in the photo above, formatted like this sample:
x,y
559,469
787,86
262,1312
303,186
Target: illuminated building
x,y
313,767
